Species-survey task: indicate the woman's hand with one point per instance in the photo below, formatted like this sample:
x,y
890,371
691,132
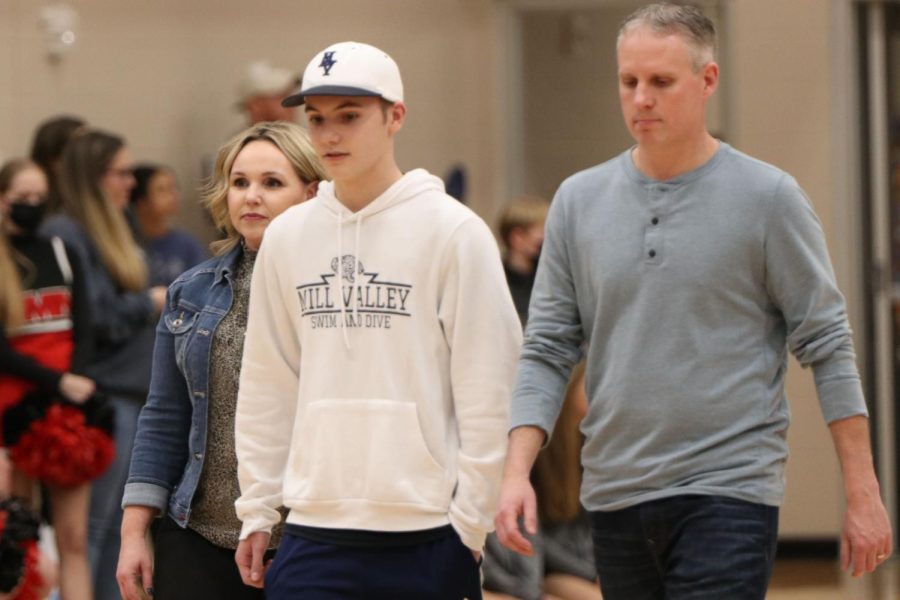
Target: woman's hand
x,y
76,388
135,571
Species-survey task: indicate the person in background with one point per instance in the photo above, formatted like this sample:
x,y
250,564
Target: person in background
x,y
44,342
50,139
261,91
521,227
259,94
569,570
154,202
259,173
561,567
686,272
95,183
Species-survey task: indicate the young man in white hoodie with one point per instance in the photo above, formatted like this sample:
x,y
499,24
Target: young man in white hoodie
x,y
378,364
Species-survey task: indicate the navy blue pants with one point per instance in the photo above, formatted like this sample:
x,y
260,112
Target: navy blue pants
x,y
443,569
686,548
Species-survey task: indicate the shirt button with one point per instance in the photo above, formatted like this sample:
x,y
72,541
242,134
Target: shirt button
x,y
652,253
655,221
198,456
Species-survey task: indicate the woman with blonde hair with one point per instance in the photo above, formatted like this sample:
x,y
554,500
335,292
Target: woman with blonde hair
x,y
44,340
184,467
95,180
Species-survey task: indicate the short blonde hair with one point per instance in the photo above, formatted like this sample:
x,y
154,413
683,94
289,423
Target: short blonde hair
x,y
523,211
291,139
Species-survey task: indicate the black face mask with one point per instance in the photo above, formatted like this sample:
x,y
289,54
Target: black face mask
x,y
27,216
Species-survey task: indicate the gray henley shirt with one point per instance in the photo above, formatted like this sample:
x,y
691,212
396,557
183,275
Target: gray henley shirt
x,y
687,294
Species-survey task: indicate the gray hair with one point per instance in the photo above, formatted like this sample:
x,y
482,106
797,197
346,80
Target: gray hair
x,y
686,20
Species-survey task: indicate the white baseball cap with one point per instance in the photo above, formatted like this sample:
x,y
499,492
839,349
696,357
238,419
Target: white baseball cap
x,y
350,69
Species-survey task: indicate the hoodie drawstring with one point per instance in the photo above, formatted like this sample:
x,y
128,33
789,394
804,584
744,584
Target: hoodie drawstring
x,y
357,251
354,286
340,279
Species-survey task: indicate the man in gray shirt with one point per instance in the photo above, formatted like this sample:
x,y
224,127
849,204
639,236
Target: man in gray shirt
x,y
687,269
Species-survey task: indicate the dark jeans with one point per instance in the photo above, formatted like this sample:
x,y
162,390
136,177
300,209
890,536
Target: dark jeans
x,y
187,566
686,548
443,569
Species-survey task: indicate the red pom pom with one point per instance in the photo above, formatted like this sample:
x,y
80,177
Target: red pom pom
x,y
61,450
32,581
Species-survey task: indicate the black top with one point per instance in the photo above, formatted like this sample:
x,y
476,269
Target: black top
x,y
520,286
364,538
47,274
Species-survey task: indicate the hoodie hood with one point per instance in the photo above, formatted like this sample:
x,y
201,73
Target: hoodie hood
x,y
413,184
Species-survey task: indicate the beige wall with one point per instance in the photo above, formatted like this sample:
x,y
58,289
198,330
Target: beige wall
x,y
571,104
163,74
572,118
780,92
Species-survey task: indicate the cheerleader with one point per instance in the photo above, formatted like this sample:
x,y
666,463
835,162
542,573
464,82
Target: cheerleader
x,y
44,343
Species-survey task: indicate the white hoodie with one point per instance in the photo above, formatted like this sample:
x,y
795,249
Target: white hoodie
x,y
378,364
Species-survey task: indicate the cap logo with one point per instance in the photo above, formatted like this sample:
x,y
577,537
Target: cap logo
x,y
328,62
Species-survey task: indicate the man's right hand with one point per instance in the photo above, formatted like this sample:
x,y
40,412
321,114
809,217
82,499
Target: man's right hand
x,y
517,499
249,558
135,571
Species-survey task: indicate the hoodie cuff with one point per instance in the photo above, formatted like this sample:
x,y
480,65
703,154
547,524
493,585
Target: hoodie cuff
x,y
253,525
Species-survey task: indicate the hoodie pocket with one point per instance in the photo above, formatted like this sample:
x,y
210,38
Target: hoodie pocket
x,y
367,449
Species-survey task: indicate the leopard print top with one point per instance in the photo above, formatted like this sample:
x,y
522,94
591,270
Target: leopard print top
x,y
212,510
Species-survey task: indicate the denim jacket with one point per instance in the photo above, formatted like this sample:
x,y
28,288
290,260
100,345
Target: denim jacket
x,y
171,438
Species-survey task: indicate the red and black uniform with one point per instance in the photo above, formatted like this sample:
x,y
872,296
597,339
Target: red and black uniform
x,y
55,336
52,340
